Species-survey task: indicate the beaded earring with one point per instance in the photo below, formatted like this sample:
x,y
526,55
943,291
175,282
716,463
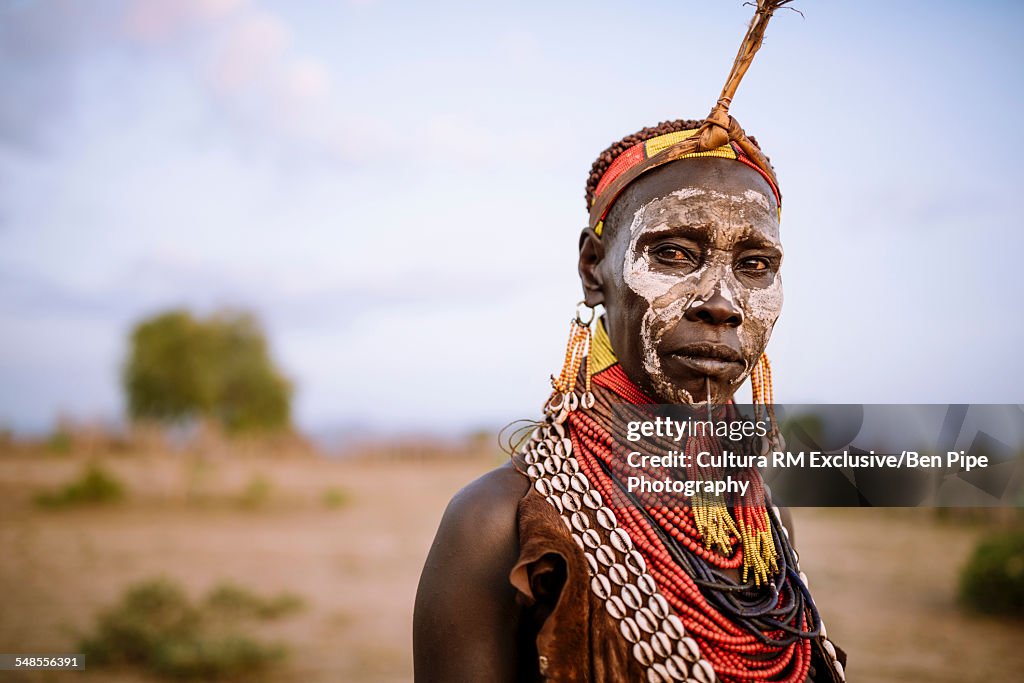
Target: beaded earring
x,y
764,400
565,398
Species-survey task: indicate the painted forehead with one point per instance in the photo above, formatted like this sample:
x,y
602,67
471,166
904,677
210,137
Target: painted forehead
x,y
718,187
746,213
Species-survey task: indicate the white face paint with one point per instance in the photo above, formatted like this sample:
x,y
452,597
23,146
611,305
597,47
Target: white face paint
x,y
723,219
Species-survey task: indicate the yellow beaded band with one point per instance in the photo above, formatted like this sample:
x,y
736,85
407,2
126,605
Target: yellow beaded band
x,y
649,149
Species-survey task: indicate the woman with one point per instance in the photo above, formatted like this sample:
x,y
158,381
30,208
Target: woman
x,y
549,568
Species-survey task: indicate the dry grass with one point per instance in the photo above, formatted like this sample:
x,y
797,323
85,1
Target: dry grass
x,y
350,537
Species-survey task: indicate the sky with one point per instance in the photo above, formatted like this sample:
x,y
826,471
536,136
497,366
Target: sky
x,y
396,190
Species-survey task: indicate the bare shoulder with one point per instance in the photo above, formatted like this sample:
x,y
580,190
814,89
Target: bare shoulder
x,y
483,512
478,537
466,617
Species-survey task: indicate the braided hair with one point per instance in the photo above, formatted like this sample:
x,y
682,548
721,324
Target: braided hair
x,y
605,159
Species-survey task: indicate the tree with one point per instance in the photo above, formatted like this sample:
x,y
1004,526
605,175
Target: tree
x,y
180,367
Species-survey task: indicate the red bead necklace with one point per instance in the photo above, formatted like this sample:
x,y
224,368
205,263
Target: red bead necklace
x,y
736,654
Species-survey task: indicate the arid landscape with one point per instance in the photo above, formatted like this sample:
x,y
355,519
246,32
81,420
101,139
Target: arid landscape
x,y
349,538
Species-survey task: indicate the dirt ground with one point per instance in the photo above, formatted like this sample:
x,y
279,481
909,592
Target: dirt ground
x,y
884,580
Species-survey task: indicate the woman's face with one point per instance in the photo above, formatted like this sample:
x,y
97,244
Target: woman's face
x,y
688,273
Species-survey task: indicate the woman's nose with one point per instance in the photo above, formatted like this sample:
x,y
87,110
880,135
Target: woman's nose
x,y
717,310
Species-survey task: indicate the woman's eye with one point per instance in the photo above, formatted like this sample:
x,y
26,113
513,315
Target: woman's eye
x,y
755,263
675,254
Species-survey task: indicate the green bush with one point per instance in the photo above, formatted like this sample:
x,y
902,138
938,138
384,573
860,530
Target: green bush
x,y
256,494
335,498
231,599
156,628
59,441
94,486
993,579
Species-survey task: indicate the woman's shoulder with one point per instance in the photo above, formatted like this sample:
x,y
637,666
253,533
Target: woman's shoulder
x,y
466,616
476,546
477,541
484,511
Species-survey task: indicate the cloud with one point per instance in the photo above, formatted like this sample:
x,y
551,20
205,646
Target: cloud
x,y
245,57
249,74
242,56
307,80
157,22
39,43
167,280
254,45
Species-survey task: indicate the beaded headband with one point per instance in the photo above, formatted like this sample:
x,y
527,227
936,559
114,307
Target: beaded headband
x,y
642,151
718,136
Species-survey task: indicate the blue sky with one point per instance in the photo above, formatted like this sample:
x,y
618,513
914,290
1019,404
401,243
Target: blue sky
x,y
396,190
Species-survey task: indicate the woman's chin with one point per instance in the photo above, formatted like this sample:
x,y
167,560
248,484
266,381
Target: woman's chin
x,y
686,384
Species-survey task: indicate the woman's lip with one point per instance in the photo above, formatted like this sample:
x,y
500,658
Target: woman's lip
x,y
709,349
704,365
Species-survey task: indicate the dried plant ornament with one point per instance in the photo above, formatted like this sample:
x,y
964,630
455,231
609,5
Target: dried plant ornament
x,y
719,135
